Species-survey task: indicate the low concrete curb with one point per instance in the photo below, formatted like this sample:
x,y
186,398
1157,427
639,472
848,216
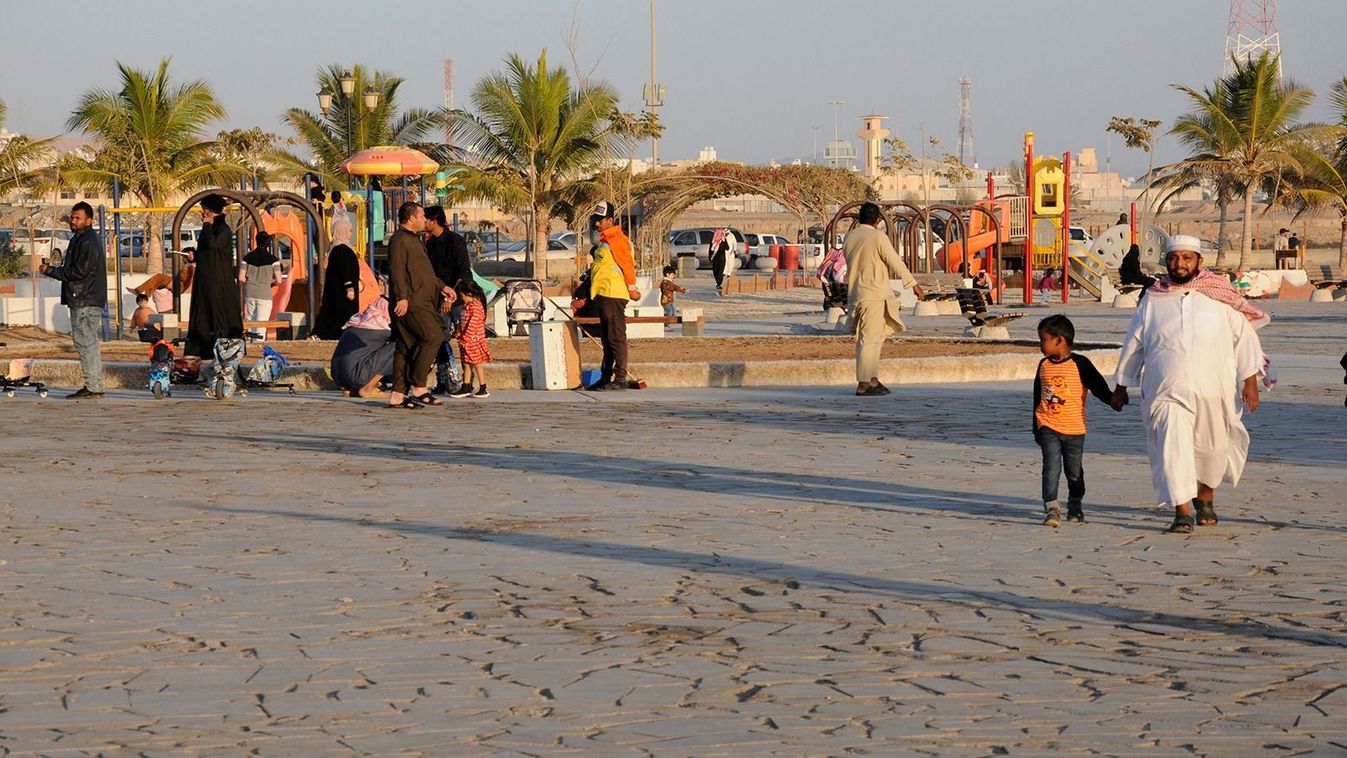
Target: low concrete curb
x,y
507,376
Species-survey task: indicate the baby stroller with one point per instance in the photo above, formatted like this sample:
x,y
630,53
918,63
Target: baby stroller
x,y
832,272
523,304
20,370
161,369
265,373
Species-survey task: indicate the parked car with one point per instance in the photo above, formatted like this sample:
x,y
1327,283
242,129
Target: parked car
x,y
518,251
42,241
568,238
696,242
760,244
1078,234
132,244
484,244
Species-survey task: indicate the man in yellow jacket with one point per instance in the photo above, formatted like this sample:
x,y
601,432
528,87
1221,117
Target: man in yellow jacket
x,y
871,263
612,284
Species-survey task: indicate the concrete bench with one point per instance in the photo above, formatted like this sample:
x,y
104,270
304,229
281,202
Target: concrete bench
x,y
694,324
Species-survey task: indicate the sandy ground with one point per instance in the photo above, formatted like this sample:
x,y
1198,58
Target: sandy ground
x,y
669,349
711,572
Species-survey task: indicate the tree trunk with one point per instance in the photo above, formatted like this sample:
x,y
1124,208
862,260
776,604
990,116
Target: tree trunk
x,y
541,223
1223,203
1246,237
154,244
1342,246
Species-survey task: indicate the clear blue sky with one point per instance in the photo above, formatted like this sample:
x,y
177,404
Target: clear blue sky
x,y
747,76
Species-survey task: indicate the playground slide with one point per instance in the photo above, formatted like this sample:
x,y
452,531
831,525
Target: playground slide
x,y
951,256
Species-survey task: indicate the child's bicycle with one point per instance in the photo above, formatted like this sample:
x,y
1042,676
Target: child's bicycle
x,y
161,369
20,370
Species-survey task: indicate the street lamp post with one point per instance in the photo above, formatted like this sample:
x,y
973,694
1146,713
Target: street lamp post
x,y
834,104
347,83
814,154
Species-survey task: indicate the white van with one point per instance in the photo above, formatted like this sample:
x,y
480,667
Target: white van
x,y
697,243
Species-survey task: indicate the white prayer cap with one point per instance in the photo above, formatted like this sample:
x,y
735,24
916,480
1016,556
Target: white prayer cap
x,y
1183,242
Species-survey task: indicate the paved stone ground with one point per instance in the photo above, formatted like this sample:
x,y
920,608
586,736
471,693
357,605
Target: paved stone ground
x,y
675,572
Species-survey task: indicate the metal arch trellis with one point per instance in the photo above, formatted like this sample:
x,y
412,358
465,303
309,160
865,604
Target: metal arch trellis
x,y
249,201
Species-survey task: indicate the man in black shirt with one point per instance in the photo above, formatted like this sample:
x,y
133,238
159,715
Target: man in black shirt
x,y
448,253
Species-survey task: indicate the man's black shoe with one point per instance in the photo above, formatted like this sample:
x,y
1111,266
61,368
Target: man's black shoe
x,y
617,385
598,386
84,393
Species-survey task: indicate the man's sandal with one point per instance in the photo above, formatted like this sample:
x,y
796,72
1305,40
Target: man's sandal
x,y
1206,512
1183,524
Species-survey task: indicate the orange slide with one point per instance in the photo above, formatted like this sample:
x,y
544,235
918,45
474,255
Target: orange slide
x,y
952,256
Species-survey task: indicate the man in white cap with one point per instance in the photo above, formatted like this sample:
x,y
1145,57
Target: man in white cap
x,y
1192,348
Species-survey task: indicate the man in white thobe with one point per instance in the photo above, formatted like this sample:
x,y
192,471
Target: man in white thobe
x,y
1192,354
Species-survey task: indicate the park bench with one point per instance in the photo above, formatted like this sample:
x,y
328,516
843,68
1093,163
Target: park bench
x,y
973,304
692,326
939,286
1324,276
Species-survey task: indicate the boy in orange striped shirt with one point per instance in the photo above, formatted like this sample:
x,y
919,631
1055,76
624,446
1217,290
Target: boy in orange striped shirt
x,y
1060,385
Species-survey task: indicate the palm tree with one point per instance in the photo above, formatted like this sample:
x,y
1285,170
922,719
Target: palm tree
x,y
1202,137
1324,181
328,139
148,134
533,135
22,159
1245,127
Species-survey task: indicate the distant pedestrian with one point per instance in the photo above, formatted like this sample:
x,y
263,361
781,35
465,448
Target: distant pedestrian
x,y
721,255
471,335
668,289
1060,385
1282,241
217,308
84,290
418,297
871,264
448,253
341,284
260,272
610,290
1122,219
1130,271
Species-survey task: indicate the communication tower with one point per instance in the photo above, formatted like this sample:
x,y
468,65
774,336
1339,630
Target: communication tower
x,y
1251,30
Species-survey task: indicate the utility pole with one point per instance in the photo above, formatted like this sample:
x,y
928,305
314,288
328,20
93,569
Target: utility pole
x,y
833,158
654,91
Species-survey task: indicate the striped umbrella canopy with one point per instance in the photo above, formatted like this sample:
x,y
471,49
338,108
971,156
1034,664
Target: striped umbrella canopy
x,y
390,160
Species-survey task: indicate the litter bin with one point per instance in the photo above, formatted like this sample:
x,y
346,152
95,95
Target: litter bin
x,y
687,266
790,257
554,355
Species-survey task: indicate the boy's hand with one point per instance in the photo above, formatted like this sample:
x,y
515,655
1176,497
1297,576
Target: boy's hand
x,y
1119,398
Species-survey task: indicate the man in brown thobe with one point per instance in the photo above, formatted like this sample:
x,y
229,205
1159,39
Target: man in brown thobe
x,y
417,296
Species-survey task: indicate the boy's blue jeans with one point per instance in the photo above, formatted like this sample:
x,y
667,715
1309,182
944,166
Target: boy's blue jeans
x,y
1062,451
670,310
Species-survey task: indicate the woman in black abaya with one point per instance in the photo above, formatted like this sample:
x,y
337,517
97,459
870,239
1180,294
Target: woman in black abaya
x,y
217,307
341,284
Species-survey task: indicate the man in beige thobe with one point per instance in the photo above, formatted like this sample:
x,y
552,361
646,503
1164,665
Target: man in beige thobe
x,y
871,263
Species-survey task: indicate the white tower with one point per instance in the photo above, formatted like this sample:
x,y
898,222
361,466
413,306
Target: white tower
x,y
873,134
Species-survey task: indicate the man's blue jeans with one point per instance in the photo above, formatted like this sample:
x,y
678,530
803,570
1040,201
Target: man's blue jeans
x,y
1062,451
86,324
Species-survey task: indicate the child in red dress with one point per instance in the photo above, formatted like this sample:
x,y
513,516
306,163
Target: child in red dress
x,y
471,335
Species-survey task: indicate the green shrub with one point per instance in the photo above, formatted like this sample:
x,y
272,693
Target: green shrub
x,y
11,261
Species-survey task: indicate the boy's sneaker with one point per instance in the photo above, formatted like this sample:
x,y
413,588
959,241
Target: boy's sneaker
x,y
481,392
1052,517
1075,513
463,390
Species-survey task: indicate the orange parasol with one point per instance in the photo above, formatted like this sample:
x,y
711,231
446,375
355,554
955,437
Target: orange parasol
x,y
390,160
